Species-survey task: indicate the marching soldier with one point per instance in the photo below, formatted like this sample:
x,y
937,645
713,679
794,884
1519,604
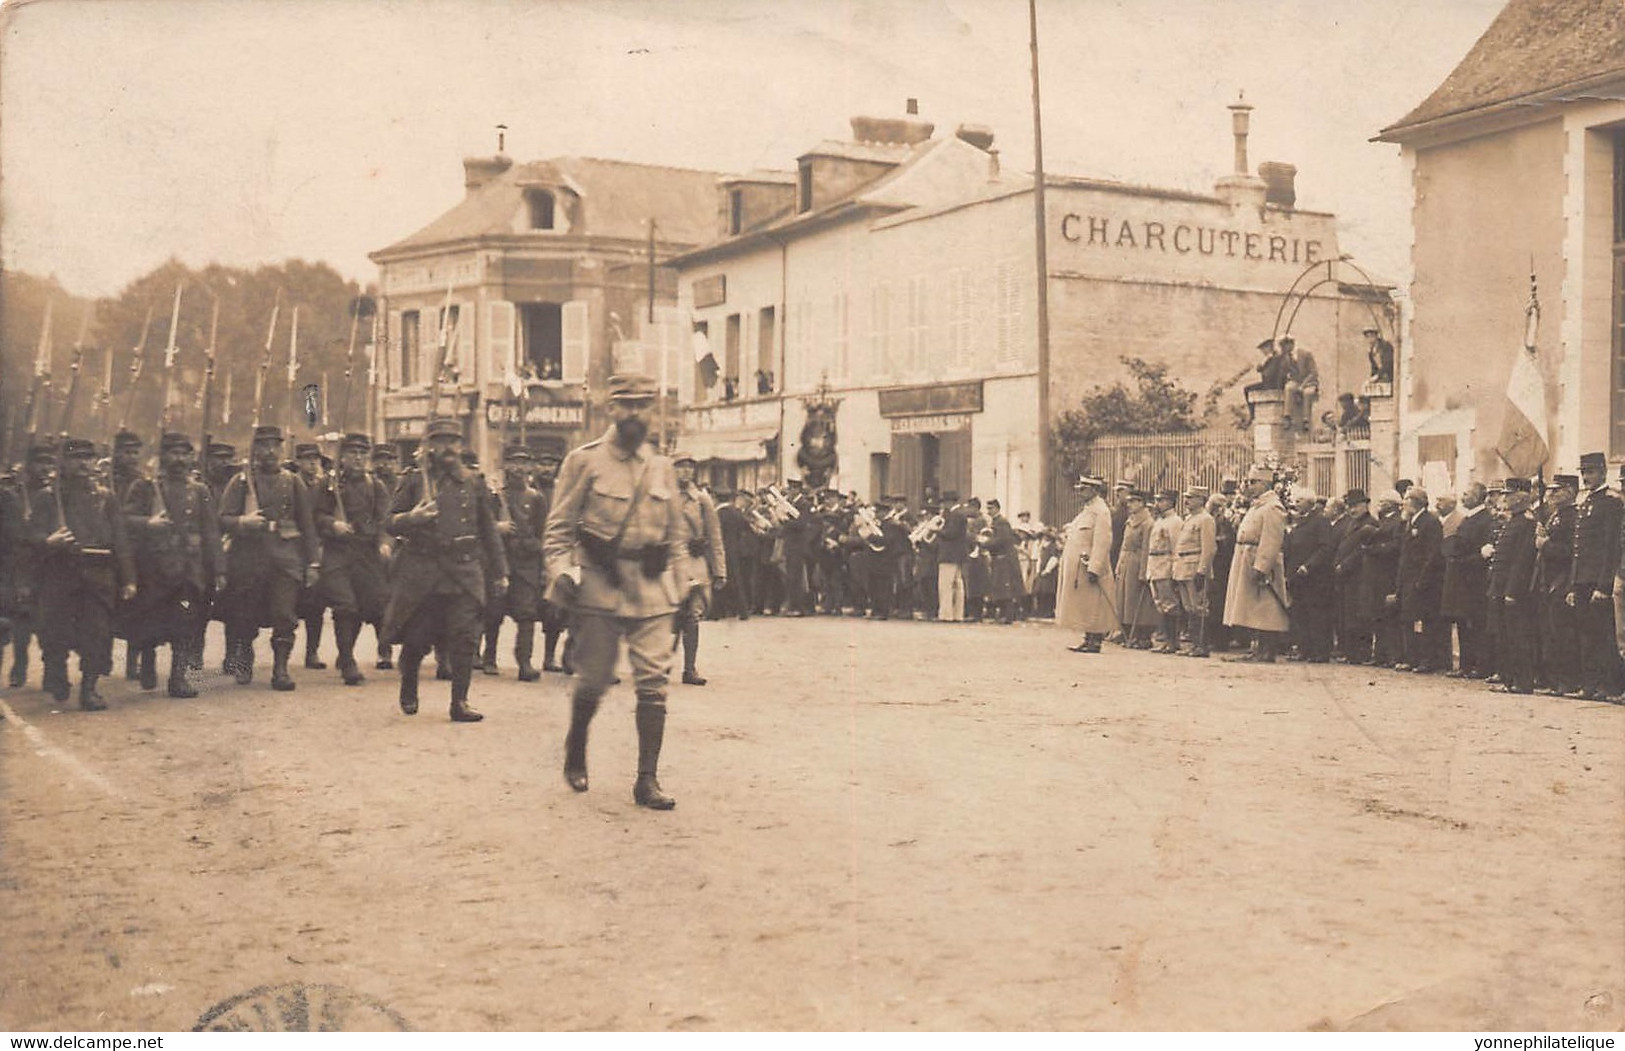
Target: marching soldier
x,y
178,559
1084,594
555,619
612,530
86,566
21,596
266,511
219,468
1256,597
702,560
350,509
521,518
312,606
385,468
450,547
126,471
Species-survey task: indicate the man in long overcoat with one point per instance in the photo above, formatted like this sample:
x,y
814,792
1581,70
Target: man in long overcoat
x,y
1420,581
1465,568
1085,593
1257,598
1135,604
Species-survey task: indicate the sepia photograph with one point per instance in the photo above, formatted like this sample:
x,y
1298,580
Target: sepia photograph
x,y
827,516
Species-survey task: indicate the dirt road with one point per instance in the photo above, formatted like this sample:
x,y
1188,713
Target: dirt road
x,y
879,826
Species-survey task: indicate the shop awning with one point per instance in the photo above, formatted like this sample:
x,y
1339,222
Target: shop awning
x,y
730,445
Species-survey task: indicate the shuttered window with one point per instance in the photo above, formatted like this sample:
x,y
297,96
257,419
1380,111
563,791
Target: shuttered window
x,y
576,339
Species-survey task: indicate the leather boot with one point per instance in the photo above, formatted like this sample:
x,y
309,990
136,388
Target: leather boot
x,y
345,630
179,661
488,660
461,671
89,699
410,663
55,678
524,645
550,646
147,670
19,659
313,643
582,709
651,721
462,713
281,651
240,657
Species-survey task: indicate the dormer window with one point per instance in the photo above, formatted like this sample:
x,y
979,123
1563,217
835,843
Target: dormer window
x,y
540,204
804,187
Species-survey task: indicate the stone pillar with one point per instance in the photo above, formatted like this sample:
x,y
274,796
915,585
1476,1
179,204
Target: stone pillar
x,y
1384,435
1273,441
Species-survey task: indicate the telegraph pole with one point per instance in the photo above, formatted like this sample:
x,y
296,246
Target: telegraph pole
x,y
1045,482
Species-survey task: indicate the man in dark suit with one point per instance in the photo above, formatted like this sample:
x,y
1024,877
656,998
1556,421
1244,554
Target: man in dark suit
x,y
1591,581
739,543
1554,541
1308,554
1511,580
1464,582
1420,582
1381,580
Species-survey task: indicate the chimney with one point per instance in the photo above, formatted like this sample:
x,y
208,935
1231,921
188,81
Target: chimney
x,y
1241,187
1240,121
992,164
477,171
1280,183
912,108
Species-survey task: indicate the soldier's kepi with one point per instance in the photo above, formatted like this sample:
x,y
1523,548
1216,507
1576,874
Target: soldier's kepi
x,y
611,532
450,547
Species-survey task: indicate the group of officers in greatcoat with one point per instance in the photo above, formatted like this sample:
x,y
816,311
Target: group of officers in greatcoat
x,y
1520,584
432,557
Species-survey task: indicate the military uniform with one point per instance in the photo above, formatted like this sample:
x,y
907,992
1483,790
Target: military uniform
x,y
612,529
521,514
311,606
1194,549
386,468
349,512
1256,597
448,553
273,553
1591,584
1159,570
700,566
177,560
79,579
220,468
19,592
126,471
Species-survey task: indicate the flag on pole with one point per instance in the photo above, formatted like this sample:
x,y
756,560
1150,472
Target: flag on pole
x,y
1523,423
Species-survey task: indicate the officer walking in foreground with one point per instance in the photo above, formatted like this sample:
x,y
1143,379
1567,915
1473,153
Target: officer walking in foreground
x,y
611,533
450,547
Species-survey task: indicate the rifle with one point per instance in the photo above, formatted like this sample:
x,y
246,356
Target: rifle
x,y
66,422
293,372
41,383
208,381
434,390
135,371
170,353
358,306
265,363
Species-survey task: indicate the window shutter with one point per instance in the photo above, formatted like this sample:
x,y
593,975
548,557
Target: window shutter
x,y
499,325
576,339
465,344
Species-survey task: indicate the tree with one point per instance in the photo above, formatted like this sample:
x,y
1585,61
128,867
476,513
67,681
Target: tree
x,y
1155,405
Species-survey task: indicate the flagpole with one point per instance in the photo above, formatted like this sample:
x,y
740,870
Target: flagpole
x,y
1045,482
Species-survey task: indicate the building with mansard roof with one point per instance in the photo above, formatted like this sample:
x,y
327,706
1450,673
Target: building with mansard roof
x,y
891,279
1518,160
548,269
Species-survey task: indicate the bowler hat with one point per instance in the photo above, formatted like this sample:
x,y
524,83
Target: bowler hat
x,y
268,432
632,386
1593,462
1355,496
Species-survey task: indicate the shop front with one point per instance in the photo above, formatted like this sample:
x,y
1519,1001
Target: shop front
x,y
931,441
